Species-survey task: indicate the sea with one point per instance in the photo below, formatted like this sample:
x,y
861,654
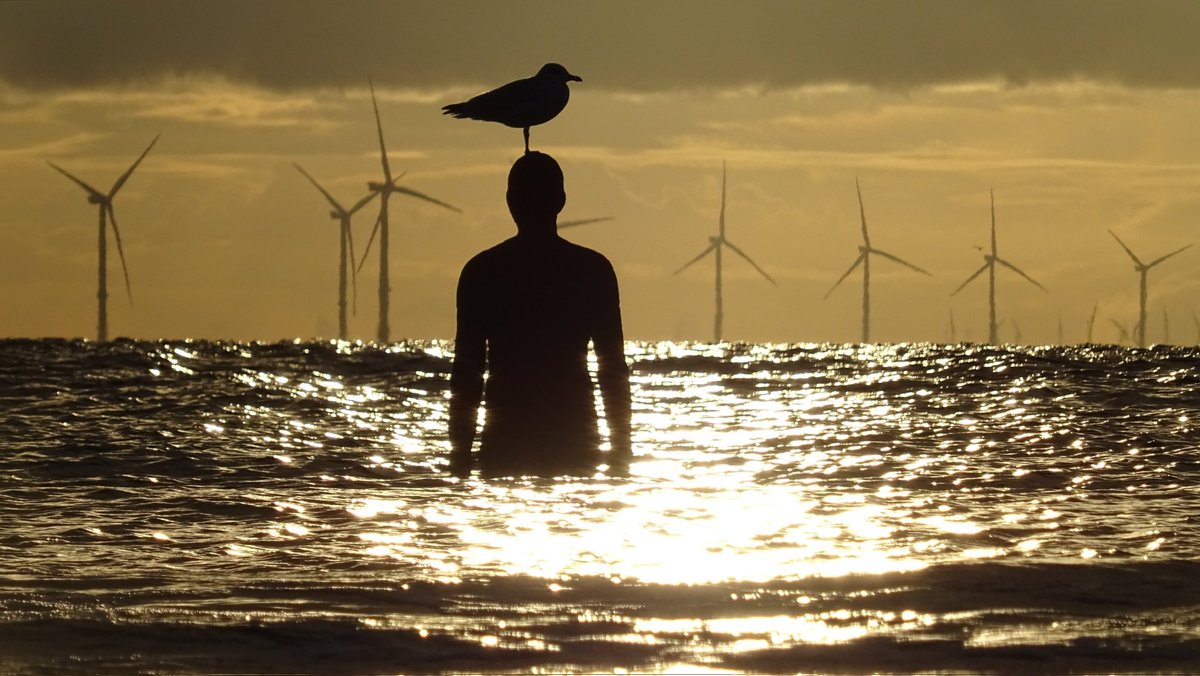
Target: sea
x,y
190,507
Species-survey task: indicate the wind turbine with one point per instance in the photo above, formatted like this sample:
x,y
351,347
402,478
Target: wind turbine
x,y
989,264
1092,322
1142,270
385,189
107,215
342,215
715,245
953,329
1122,329
1196,321
864,259
582,221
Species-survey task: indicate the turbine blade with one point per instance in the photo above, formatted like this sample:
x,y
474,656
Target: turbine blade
x,y
374,231
112,220
353,270
387,170
1131,255
750,261
862,213
969,279
691,262
427,198
1160,259
993,198
85,186
900,261
846,274
324,192
362,202
722,221
583,221
128,172
1017,270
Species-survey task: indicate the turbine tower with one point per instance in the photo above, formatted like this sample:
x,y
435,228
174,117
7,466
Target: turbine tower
x,y
715,244
104,202
1142,269
989,264
342,216
385,188
864,259
1092,322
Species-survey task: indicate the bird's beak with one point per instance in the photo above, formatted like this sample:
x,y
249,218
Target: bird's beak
x,y
576,78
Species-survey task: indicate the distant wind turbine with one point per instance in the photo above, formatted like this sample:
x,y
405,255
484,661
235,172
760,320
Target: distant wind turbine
x,y
346,255
715,245
1142,270
1122,329
582,221
1196,321
1092,322
989,264
105,203
953,328
385,189
864,258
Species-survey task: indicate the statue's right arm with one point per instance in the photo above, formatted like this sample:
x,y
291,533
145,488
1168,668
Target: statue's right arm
x,y
466,376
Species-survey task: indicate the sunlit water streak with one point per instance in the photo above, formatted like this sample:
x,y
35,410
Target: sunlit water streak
x,y
194,506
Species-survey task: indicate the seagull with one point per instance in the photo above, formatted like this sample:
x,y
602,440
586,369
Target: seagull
x,y
522,103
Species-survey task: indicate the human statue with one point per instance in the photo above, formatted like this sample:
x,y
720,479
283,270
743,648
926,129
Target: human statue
x,y
528,309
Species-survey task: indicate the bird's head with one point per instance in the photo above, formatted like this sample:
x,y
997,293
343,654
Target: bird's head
x,y
554,71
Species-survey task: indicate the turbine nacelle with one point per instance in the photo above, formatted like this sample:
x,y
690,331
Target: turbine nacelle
x,y
98,199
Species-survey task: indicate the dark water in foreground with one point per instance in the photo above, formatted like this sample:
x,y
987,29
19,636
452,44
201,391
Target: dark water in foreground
x,y
224,507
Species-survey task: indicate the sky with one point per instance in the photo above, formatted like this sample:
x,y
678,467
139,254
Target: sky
x,y
1078,116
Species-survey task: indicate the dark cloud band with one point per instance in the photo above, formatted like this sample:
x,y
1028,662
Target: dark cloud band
x,y
621,45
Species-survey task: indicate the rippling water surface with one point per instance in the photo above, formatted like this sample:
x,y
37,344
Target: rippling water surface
x,y
196,507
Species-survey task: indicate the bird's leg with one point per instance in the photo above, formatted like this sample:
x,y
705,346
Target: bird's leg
x,y
526,130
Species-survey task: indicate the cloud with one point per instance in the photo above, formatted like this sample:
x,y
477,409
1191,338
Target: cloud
x,y
621,45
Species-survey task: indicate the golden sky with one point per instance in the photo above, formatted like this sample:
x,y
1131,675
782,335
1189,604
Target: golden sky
x,y
1081,116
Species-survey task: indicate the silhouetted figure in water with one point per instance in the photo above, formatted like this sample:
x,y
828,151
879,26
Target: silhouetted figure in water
x,y
527,309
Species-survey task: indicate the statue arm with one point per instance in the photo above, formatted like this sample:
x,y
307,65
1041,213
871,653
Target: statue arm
x,y
613,371
466,376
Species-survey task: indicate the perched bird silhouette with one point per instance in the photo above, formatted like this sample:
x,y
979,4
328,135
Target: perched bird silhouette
x,y
522,103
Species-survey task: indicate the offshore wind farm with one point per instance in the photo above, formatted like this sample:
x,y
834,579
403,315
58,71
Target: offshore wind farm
x,y
244,475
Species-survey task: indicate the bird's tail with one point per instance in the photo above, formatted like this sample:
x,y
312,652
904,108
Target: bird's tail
x,y
458,110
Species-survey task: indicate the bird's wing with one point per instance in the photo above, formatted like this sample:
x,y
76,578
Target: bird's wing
x,y
508,104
